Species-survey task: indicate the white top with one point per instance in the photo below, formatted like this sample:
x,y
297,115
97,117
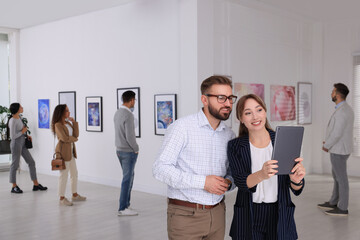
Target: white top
x,y
267,190
192,150
70,134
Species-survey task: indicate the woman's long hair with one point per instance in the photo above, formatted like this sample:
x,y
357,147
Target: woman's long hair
x,y
243,130
14,108
57,115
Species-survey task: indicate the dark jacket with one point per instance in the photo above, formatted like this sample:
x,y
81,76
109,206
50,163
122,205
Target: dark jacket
x,y
240,165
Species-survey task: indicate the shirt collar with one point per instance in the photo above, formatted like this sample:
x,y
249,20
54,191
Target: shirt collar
x,y
125,107
339,104
203,121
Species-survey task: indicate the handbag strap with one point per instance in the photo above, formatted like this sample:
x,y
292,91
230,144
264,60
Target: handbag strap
x,y
26,135
54,155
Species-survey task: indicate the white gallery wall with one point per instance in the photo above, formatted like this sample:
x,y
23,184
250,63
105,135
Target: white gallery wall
x,y
170,46
135,45
341,41
256,44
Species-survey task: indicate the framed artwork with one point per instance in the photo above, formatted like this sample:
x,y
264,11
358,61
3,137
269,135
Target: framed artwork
x,y
136,111
69,98
304,103
242,89
165,112
94,114
282,103
44,113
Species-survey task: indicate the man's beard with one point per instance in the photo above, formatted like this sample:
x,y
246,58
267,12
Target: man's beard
x,y
334,99
216,114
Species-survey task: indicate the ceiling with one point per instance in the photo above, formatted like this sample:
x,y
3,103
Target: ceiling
x,y
20,14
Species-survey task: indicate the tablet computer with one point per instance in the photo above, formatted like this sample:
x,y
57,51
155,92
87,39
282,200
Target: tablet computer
x,y
287,147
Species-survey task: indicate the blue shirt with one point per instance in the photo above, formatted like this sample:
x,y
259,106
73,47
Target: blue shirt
x,y
339,104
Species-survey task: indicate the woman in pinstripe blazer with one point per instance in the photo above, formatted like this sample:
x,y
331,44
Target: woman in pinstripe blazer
x,y
263,207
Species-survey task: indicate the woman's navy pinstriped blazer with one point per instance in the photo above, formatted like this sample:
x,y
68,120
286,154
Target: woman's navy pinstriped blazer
x,y
240,165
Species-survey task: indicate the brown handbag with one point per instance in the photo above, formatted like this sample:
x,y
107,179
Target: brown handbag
x,y
57,163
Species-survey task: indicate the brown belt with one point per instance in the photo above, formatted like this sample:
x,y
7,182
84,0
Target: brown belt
x,y
191,205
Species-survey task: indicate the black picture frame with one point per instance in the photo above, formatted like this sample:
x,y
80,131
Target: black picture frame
x,y
94,114
137,119
165,112
68,98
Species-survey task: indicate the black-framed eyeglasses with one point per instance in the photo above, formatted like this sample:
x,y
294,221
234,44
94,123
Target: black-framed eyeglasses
x,y
223,98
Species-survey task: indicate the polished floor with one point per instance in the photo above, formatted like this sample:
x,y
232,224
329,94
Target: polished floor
x,y
37,215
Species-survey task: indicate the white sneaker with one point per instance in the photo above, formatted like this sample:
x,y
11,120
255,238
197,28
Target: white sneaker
x,y
66,202
127,212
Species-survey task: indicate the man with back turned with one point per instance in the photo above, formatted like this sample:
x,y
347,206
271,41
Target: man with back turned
x,y
339,143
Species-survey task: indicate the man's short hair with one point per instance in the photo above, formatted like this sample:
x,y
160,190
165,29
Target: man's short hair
x,y
216,79
342,89
128,96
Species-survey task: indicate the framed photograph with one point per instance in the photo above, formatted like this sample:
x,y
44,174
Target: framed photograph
x,y
44,113
282,103
94,114
304,103
136,111
165,112
69,98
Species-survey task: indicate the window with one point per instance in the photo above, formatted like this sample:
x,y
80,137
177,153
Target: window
x,y
357,105
4,82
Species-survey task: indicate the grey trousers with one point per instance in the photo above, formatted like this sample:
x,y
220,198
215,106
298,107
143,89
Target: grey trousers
x,y
18,149
340,195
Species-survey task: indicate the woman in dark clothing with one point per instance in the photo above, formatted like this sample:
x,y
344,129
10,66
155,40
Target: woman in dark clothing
x,y
263,207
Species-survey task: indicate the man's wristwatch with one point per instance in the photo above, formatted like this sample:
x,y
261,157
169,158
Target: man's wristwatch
x,y
298,184
228,182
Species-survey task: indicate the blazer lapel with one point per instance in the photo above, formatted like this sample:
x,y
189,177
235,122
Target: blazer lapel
x,y
244,143
66,129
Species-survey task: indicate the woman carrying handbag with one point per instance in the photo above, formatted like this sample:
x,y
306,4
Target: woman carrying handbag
x,y
67,132
17,130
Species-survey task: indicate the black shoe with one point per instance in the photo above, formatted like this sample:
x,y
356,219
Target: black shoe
x,y
39,187
326,206
337,212
16,189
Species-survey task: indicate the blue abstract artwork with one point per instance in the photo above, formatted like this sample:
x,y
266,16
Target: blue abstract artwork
x,y
44,113
165,114
93,114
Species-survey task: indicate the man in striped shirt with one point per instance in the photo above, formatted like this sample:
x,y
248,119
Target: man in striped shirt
x,y
193,163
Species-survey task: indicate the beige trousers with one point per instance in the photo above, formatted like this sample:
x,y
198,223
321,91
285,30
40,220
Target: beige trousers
x,y
196,224
70,167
